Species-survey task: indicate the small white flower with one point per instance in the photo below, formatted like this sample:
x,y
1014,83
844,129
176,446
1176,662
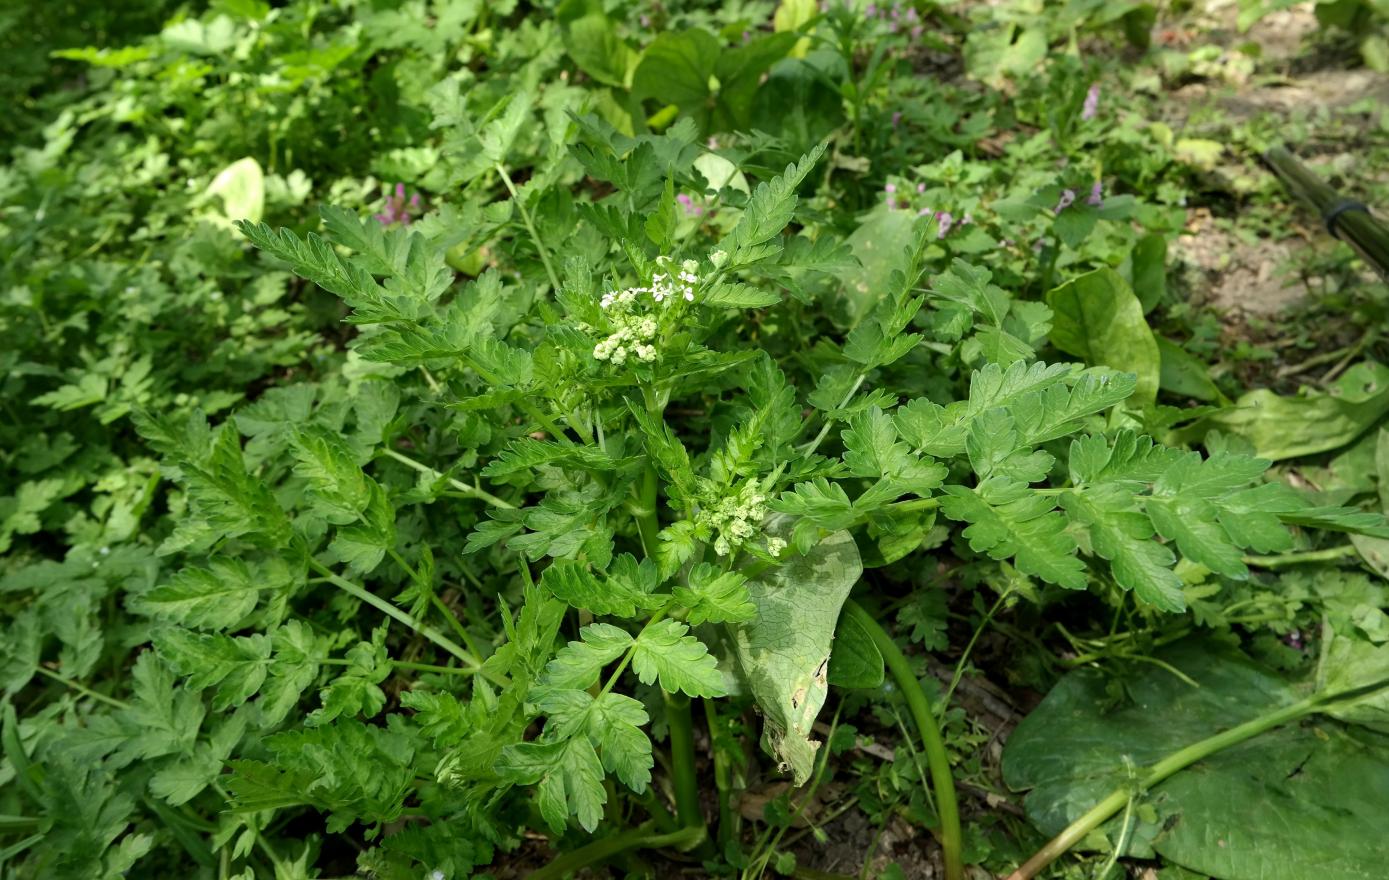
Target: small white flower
x,y
775,546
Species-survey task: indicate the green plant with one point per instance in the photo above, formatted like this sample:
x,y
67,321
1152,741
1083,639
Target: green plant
x,y
446,437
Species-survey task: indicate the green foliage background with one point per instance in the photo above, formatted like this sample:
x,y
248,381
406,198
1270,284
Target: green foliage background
x,y
441,438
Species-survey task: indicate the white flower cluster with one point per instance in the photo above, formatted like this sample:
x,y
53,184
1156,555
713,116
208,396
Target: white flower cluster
x,y
633,336
634,331
736,518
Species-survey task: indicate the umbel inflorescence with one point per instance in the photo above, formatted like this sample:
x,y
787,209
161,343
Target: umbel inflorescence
x,y
635,319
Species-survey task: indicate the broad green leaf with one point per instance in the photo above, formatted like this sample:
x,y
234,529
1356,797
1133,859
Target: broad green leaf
x,y
676,69
1147,271
784,653
241,189
591,39
856,661
1098,318
1283,427
1352,660
882,246
1183,374
1314,783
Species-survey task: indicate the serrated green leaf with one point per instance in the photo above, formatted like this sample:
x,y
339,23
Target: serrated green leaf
x,y
715,596
873,450
569,776
573,583
1121,534
665,652
216,597
768,212
578,663
1008,519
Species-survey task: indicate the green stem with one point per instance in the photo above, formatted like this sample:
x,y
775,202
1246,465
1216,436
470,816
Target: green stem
x,y
1179,760
473,664
601,850
951,838
648,524
454,623
723,778
474,491
530,226
682,761
813,445
969,648
1285,559
81,688
405,664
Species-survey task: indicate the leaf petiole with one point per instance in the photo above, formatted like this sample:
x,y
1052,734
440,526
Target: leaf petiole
x,y
937,760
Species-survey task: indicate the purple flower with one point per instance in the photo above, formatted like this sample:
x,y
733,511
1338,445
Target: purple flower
x,y
688,203
1068,197
946,221
1096,195
399,208
1092,103
917,31
890,188
911,14
871,11
920,188
896,118
924,212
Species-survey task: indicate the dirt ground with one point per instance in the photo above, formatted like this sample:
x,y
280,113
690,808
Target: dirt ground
x,y
1260,278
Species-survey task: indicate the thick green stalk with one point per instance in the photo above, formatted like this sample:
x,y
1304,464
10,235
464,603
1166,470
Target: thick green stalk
x,y
1180,760
640,837
644,511
1330,554
682,761
951,838
723,778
